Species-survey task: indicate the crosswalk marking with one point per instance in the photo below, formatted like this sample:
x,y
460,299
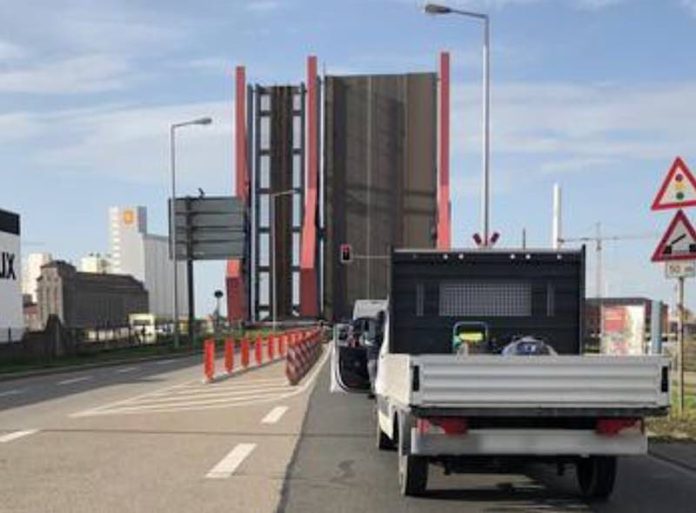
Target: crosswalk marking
x,y
17,434
274,415
14,391
227,465
74,380
125,369
242,390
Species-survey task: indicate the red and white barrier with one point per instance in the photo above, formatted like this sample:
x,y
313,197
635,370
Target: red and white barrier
x,y
300,348
208,360
229,355
303,352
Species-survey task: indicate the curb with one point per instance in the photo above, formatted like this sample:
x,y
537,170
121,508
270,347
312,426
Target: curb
x,y
87,366
672,461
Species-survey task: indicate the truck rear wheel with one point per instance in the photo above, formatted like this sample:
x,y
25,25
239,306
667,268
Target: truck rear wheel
x,y
596,476
413,470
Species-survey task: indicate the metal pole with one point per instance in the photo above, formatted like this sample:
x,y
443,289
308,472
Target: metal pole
x,y
680,334
486,132
172,232
598,281
191,299
556,233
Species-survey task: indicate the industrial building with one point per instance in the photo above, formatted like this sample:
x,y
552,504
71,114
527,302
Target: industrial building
x,y
88,300
340,160
11,315
145,256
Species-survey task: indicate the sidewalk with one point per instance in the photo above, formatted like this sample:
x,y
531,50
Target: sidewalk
x,y
678,453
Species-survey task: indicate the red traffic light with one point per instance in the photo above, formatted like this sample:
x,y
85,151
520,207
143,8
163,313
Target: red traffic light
x,y
346,253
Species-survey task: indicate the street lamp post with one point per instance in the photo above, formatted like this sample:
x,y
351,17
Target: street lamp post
x,y
271,249
436,9
172,214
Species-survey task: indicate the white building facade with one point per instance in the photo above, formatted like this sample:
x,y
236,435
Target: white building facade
x,y
95,263
32,271
146,257
11,315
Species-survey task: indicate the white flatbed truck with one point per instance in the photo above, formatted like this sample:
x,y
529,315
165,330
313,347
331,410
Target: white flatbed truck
x,y
476,411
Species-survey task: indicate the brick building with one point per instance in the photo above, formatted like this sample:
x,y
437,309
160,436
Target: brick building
x,y
88,300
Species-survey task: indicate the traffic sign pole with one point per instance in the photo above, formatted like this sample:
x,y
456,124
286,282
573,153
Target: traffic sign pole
x,y
678,248
680,342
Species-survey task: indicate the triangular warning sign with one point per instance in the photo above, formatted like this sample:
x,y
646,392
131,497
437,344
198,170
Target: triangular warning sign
x,y
678,242
678,189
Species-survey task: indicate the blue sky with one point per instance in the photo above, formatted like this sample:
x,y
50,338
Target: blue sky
x,y
598,95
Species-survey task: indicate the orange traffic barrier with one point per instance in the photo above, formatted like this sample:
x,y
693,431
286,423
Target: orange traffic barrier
x,y
229,355
269,345
245,353
281,345
209,359
258,350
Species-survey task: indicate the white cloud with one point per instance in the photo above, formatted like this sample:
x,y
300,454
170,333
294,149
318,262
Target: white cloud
x,y
132,143
10,51
690,5
84,74
263,6
590,125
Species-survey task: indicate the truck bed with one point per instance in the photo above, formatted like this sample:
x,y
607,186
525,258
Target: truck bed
x,y
493,385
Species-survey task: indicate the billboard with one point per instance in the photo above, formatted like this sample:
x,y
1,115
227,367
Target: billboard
x,y
623,330
11,318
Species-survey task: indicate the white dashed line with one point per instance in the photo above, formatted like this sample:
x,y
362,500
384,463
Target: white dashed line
x,y
14,391
164,362
229,463
274,415
17,434
125,369
74,380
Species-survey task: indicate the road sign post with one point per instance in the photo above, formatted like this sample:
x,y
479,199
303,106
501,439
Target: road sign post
x,y
680,343
206,228
677,248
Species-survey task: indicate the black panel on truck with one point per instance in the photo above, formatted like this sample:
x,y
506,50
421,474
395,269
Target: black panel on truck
x,y
516,293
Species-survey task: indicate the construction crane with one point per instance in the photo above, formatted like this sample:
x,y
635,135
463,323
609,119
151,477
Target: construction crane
x,y
598,239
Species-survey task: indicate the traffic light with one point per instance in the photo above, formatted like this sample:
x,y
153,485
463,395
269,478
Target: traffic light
x,y
346,253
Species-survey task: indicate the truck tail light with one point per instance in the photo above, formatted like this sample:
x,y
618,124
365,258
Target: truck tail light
x,y
442,426
612,427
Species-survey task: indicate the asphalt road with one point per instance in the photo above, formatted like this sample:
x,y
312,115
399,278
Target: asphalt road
x,y
148,437
151,437
337,468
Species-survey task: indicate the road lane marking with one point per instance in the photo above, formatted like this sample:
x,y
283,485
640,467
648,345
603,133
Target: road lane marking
x,y
164,362
98,409
126,369
152,406
137,404
227,465
17,434
274,415
74,380
14,391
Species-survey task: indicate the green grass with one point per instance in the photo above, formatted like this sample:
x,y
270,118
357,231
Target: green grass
x,y
676,426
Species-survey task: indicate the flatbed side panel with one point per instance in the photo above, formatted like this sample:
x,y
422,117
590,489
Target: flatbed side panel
x,y
541,382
